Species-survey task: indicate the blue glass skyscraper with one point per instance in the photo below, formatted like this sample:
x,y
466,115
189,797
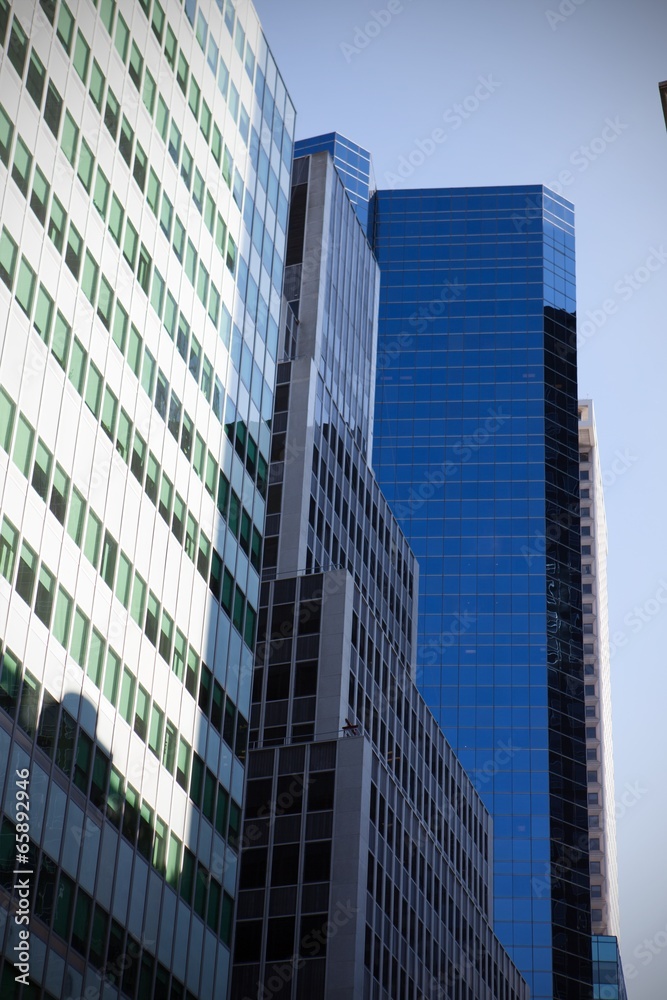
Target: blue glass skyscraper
x,y
476,449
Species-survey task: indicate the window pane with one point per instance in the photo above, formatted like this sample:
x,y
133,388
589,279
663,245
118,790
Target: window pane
x,y
112,677
25,287
40,195
8,254
45,595
81,56
101,195
63,617
8,542
79,645
43,314
93,538
77,513
23,446
94,390
41,472
123,580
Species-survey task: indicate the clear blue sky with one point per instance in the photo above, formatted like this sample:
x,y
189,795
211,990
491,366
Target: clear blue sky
x,y
571,88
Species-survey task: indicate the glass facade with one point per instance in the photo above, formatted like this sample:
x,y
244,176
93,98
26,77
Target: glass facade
x,y
353,793
476,450
608,980
353,164
145,161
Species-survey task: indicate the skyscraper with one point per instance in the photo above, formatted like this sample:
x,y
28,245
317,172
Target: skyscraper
x,y
597,680
476,449
145,157
365,849
607,967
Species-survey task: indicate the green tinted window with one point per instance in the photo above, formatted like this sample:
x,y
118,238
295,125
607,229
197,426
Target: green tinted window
x,y
23,446
25,286
94,390
101,194
81,56
43,318
8,254
86,165
63,617
8,543
7,410
93,538
123,580
39,197
79,644
77,514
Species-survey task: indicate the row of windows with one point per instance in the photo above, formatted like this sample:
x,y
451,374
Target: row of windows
x,y
90,769
135,253
87,927
208,294
151,98
115,569
104,405
74,916
72,629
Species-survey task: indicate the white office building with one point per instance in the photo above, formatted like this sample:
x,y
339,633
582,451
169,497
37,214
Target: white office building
x,y
597,680
145,156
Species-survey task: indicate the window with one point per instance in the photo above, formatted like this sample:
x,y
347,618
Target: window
x,y
126,703
144,268
112,677
157,22
140,167
86,165
8,254
191,538
166,215
174,143
107,12
23,446
152,478
134,350
59,494
27,571
25,287
93,541
18,47
70,138
138,606
94,390
138,458
194,98
186,167
77,367
73,251
124,435
126,141
205,123
40,195
152,617
108,563
53,109
166,632
41,472
97,84
178,518
89,279
169,750
81,56
112,113
65,29
156,730
8,542
162,118
79,645
182,73
124,580
22,166
6,134
153,193
141,713
130,244
166,491
77,514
